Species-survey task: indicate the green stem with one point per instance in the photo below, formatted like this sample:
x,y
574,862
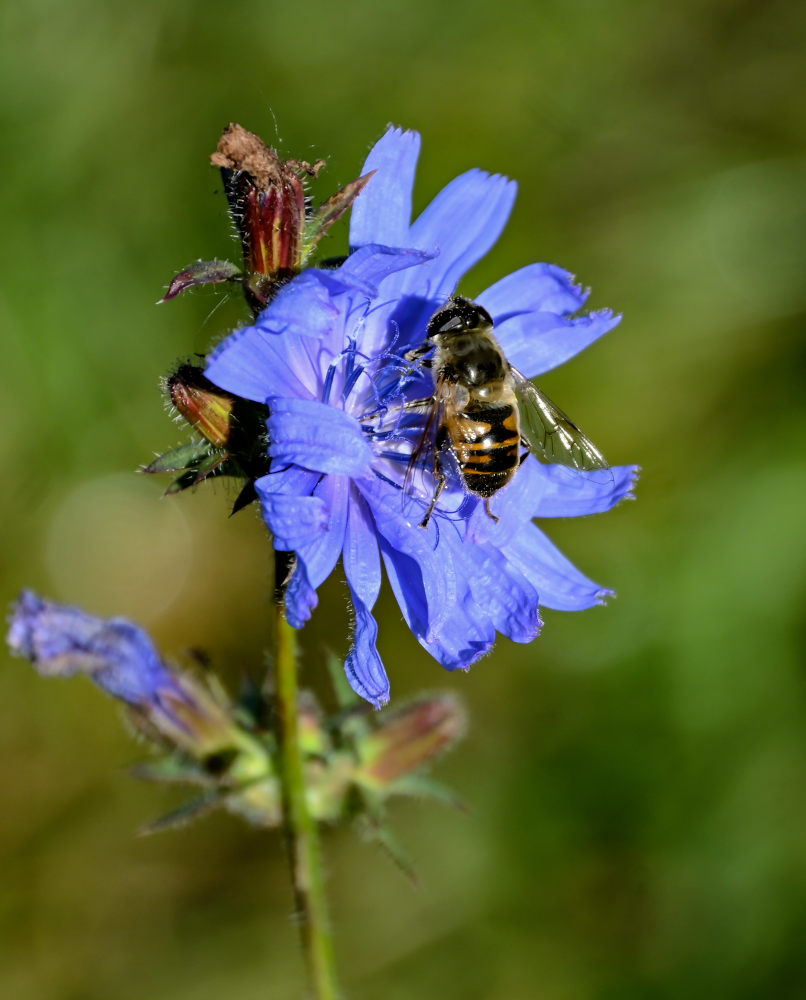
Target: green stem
x,y
300,828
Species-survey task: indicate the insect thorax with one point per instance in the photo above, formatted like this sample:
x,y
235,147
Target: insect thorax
x,y
471,360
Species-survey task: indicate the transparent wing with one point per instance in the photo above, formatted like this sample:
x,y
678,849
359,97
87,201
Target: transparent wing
x,y
550,433
422,456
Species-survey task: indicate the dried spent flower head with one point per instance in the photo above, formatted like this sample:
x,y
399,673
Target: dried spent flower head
x,y
277,226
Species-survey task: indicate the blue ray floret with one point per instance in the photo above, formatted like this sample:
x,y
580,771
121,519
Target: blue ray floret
x,y
328,356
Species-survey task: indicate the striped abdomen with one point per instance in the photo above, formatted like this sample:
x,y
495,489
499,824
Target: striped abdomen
x,y
486,442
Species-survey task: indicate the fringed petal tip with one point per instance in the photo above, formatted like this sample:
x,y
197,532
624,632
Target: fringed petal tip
x,y
636,475
397,132
560,491
456,651
534,288
539,340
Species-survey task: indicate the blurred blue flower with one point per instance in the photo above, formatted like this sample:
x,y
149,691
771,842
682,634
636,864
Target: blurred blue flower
x,y
62,641
329,351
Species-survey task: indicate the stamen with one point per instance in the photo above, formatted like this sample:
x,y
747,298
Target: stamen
x,y
331,374
352,378
349,352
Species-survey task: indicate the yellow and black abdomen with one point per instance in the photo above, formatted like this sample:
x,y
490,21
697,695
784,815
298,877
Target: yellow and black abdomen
x,y
486,442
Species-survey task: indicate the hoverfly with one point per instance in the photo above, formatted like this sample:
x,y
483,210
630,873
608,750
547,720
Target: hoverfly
x,y
485,411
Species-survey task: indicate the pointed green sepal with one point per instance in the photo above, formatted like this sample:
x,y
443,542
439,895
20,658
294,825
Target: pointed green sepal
x,y
247,495
184,814
170,768
181,459
331,211
380,834
203,272
418,786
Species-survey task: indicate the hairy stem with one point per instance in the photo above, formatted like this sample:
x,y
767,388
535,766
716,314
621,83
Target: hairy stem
x,y
302,836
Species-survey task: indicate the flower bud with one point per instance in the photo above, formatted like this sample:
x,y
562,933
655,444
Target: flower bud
x,y
409,739
206,407
203,272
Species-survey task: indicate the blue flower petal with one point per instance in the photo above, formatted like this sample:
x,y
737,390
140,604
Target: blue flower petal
x,y
462,222
255,364
304,306
382,212
539,341
362,561
316,559
492,595
539,490
502,593
300,596
512,506
367,267
425,582
318,437
362,567
570,493
296,517
461,638
448,630
460,642
534,288
559,583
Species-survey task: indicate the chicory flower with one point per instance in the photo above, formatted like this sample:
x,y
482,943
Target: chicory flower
x,y
328,356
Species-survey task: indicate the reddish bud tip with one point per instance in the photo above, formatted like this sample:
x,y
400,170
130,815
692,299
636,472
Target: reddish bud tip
x,y
204,406
203,272
411,738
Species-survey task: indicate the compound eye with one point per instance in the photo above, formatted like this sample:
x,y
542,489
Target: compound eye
x,y
458,316
481,317
448,319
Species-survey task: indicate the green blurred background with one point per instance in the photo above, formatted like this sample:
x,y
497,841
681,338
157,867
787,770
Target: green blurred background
x,y
638,775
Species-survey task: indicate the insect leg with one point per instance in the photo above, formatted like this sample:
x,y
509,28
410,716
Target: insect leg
x,y
419,404
489,512
413,404
439,474
418,352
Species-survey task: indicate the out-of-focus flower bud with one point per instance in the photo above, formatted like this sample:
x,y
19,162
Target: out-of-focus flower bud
x,y
314,739
409,739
